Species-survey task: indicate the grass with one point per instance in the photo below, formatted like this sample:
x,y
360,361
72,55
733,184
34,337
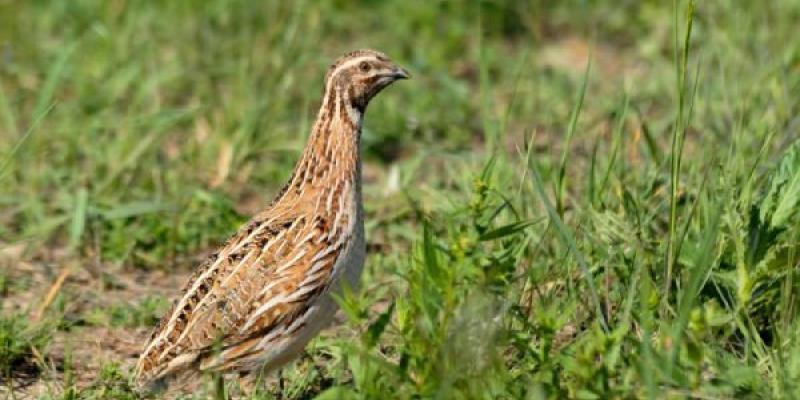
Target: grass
x,y
568,200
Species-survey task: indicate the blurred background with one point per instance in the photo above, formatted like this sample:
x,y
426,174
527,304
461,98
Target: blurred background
x,y
572,199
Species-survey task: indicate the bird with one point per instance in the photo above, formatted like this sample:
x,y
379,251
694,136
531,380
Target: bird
x,y
255,303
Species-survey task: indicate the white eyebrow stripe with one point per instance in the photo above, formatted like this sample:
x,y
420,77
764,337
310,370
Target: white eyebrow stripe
x,y
349,63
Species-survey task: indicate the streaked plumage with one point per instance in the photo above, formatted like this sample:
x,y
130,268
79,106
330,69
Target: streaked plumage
x,y
265,293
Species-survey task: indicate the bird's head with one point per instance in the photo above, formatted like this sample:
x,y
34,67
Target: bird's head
x,y
359,75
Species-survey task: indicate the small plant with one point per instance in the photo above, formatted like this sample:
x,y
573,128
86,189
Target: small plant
x,y
110,384
153,233
445,330
20,342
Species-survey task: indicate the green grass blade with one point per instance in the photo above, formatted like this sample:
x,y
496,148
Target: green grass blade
x,y
678,136
703,264
48,90
78,224
573,125
21,141
568,240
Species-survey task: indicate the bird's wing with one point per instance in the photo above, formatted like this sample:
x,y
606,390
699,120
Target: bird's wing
x,y
257,288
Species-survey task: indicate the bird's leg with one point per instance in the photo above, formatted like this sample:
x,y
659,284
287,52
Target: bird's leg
x,y
247,385
280,384
219,386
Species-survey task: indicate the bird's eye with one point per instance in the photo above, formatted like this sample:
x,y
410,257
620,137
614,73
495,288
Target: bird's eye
x,y
364,66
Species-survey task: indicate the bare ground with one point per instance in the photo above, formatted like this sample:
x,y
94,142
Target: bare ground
x,y
56,286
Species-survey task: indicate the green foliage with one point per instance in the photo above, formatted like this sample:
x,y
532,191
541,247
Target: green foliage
x,y
19,341
445,329
145,314
147,231
537,228
110,384
782,200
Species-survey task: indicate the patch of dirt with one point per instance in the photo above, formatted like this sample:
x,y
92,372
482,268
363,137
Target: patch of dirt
x,y
59,287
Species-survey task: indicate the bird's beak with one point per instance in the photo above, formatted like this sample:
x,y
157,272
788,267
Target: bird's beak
x,y
400,73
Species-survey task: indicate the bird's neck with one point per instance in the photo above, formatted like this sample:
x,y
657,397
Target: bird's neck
x,y
331,157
